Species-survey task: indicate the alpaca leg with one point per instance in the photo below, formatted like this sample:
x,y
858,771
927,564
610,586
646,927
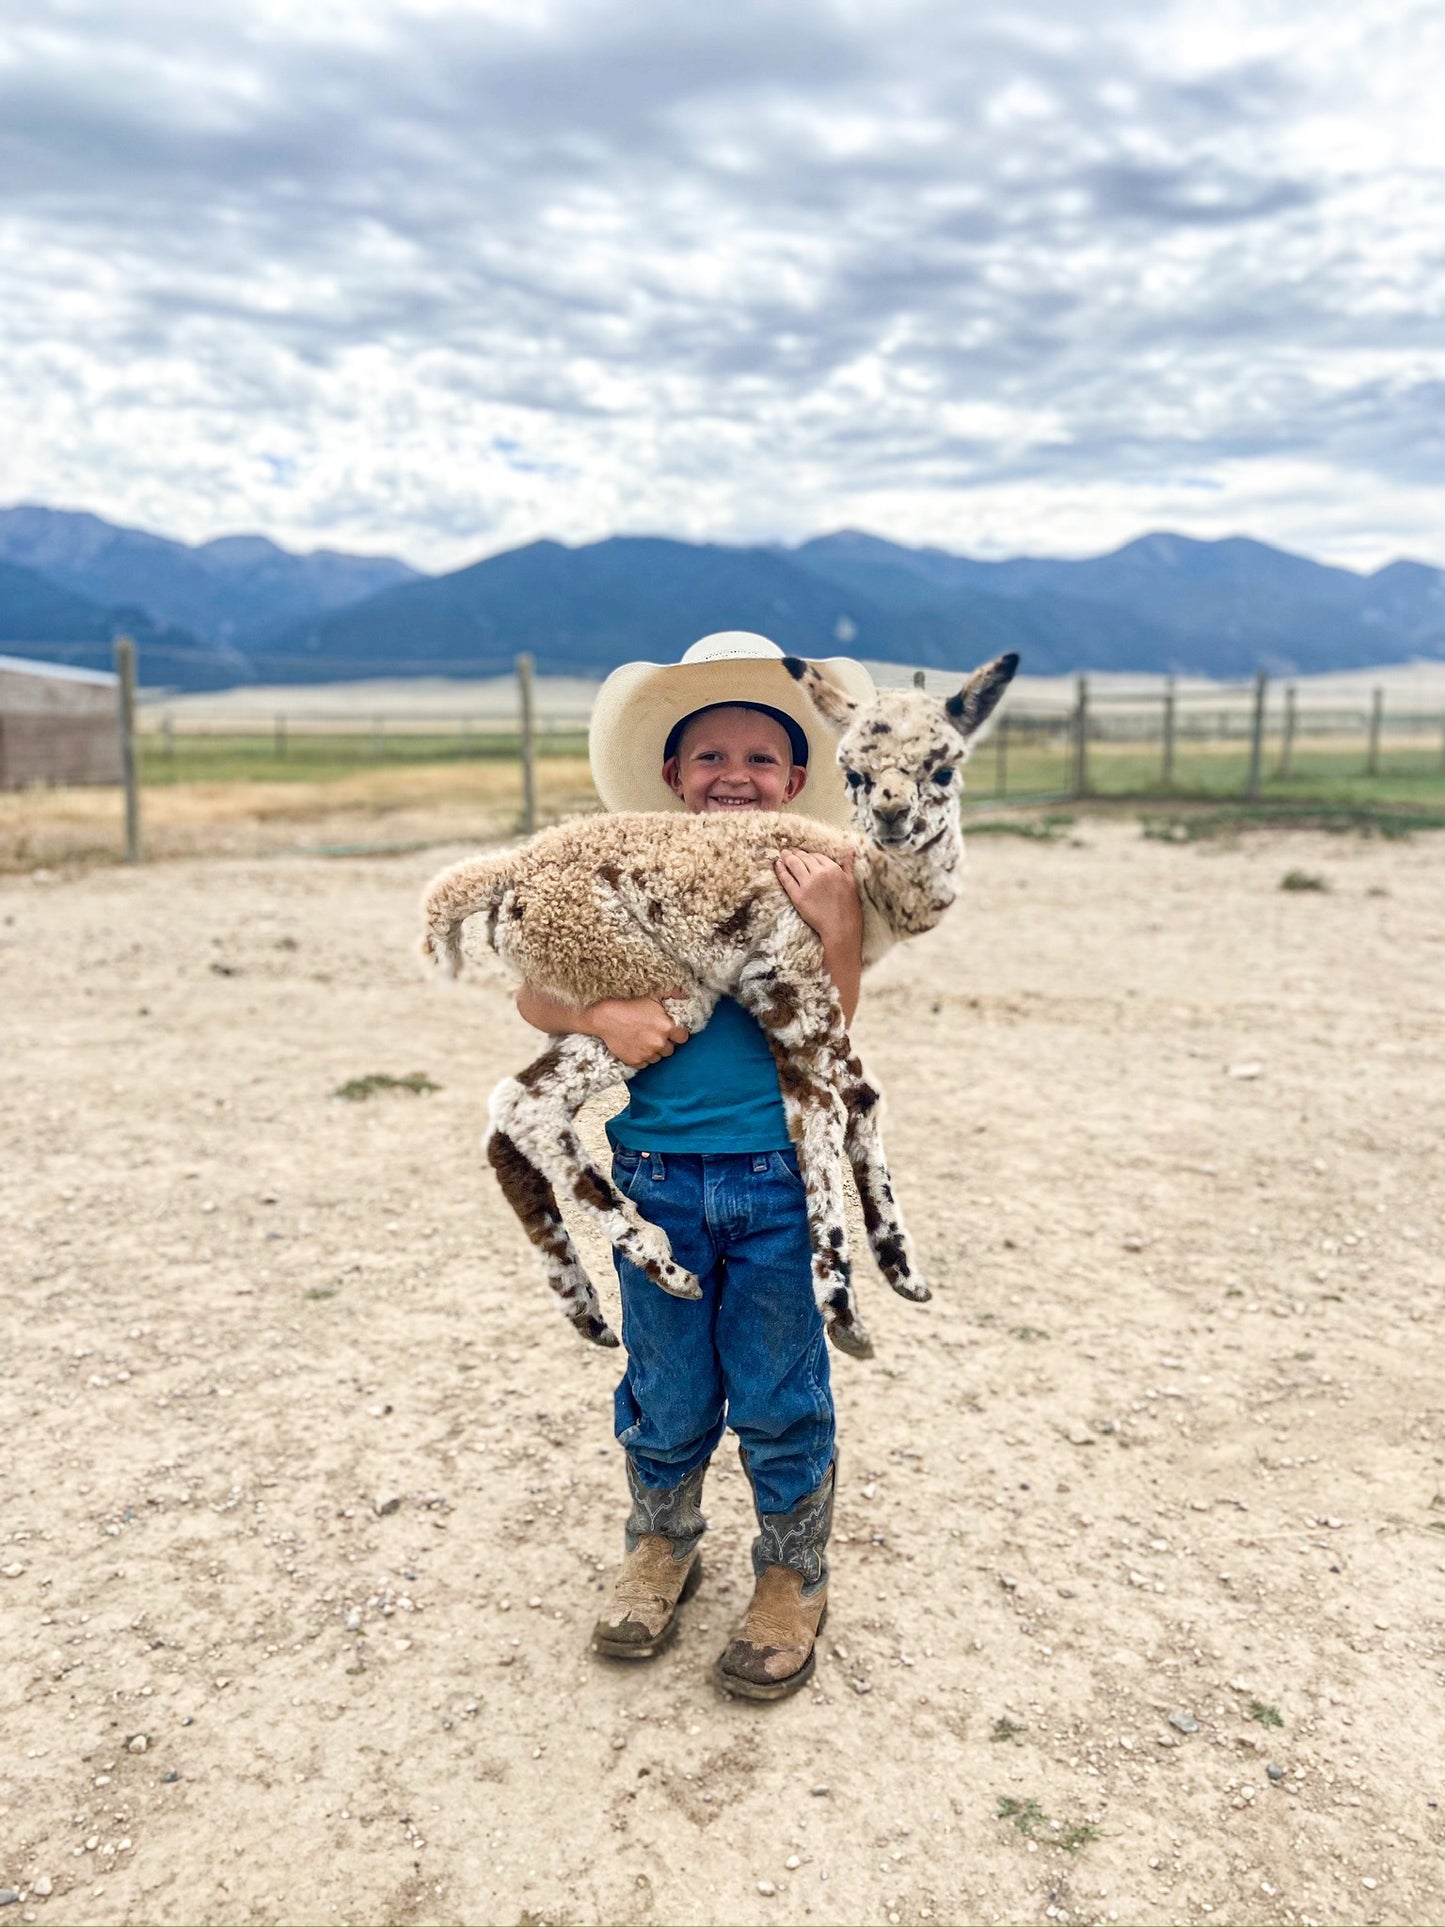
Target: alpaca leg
x,y
535,1203
536,1111
887,1237
804,1025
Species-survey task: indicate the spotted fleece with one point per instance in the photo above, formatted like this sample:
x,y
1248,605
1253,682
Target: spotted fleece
x,y
634,904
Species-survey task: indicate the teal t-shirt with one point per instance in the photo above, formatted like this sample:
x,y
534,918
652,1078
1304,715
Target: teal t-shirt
x,y
717,1092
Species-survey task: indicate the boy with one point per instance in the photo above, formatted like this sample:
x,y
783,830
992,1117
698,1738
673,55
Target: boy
x,y
703,1150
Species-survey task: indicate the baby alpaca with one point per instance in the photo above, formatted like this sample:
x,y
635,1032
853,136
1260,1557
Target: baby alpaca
x,y
632,905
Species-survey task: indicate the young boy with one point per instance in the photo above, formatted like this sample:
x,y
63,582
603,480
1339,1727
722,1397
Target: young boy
x,y
702,1150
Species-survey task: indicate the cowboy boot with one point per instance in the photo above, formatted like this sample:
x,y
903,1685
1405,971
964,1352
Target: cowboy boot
x,y
662,1569
773,1654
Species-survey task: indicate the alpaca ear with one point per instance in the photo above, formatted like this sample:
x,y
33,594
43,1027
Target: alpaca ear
x,y
826,697
971,708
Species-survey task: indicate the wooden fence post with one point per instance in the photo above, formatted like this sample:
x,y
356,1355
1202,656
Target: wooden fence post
x,y
1286,741
1256,736
525,667
1372,754
1166,774
919,679
1081,736
125,689
168,736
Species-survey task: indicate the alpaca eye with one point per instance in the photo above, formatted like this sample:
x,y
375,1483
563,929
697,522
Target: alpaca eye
x,y
855,777
944,775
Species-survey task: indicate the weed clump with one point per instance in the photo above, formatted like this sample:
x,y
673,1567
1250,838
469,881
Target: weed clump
x,y
1029,1817
1266,1714
417,1082
1302,880
1006,1729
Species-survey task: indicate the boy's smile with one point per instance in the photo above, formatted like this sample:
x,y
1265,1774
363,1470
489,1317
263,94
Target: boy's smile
x,y
734,759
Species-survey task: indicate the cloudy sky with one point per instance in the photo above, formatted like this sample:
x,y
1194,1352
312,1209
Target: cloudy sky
x,y
438,278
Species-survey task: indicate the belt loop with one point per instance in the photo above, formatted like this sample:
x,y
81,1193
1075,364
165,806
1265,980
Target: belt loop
x,y
659,1167
760,1163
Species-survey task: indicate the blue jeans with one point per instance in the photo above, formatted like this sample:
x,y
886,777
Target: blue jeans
x,y
750,1353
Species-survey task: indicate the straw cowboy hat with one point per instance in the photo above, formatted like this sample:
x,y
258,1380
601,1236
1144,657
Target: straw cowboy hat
x,y
639,705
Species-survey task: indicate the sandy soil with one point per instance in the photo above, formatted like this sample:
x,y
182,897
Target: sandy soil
x,y
1161,1464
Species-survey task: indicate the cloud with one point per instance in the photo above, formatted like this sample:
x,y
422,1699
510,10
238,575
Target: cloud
x,y
439,278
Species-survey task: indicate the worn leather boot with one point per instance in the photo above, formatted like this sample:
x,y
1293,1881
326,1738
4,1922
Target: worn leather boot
x,y
773,1654
663,1568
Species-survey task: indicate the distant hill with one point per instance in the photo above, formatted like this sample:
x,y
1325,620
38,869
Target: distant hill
x,y
1163,602
235,589
40,619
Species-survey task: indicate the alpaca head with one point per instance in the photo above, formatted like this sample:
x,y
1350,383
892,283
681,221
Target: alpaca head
x,y
900,753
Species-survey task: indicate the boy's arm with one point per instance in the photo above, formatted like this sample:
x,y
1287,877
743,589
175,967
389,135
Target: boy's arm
x,y
636,1029
825,896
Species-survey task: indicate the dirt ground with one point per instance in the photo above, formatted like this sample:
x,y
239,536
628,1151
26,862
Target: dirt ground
x,y
308,1490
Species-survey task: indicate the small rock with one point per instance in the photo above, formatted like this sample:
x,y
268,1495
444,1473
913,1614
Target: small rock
x,y
1133,1242
534,1602
1184,1722
386,1502
792,1862
14,1570
862,1686
821,1792
138,1744
766,1887
1080,1435
44,1887
169,1779
619,1743
1274,1772
353,1620
1246,1070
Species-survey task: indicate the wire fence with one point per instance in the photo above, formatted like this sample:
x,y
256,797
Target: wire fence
x,y
1246,741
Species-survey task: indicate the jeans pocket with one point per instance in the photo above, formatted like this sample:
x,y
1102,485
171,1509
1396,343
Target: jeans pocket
x,y
784,1165
625,1167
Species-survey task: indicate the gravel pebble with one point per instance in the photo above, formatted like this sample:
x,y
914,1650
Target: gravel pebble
x,y
1274,1772
386,1502
1184,1722
767,1887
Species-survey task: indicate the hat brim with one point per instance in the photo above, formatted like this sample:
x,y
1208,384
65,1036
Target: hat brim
x,y
639,703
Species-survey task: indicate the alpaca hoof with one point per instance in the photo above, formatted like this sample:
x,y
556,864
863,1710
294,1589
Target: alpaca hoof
x,y
912,1287
678,1283
596,1331
852,1339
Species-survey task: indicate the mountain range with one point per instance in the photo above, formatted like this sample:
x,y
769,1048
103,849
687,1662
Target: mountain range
x,y
240,609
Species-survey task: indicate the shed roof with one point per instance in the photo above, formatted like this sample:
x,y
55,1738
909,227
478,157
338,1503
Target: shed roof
x,y
60,671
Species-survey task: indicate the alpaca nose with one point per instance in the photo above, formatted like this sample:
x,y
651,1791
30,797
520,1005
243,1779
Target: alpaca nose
x,y
889,809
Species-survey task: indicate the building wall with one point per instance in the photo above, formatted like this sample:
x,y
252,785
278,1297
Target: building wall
x,y
57,727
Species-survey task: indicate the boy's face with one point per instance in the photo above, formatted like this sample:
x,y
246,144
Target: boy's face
x,y
734,759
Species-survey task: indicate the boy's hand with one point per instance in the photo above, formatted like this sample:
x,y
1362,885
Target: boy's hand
x,y
824,894
636,1029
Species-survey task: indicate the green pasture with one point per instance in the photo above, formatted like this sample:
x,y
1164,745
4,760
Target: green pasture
x,y
320,756
1036,766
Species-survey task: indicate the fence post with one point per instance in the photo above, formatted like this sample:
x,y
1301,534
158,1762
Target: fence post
x,y
919,679
1286,741
1377,712
525,667
1256,736
1167,772
125,689
1081,737
1000,775
168,736
280,739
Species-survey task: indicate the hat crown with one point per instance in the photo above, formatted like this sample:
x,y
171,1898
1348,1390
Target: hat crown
x,y
732,645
